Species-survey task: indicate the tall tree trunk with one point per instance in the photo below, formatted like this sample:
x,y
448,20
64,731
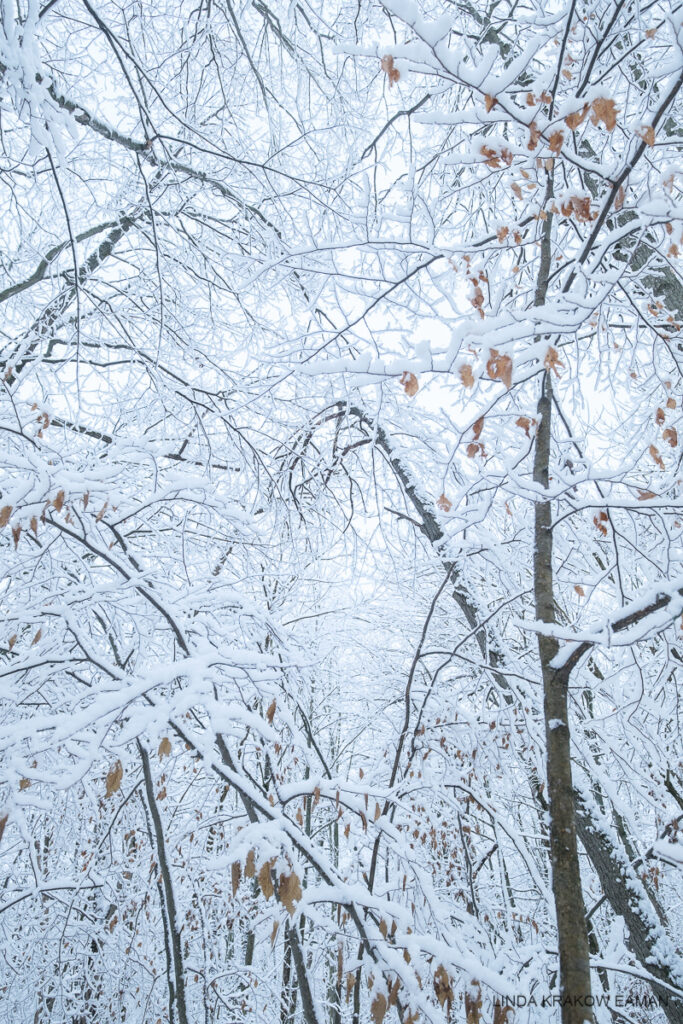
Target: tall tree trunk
x,y
572,930
176,983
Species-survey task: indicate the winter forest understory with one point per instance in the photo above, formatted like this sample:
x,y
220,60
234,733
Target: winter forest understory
x,y
341,511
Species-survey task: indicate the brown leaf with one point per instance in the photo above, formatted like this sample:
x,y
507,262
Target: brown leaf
x,y
12,641
3,822
518,192
671,435
578,117
552,360
647,134
378,812
499,367
671,403
619,199
579,590
5,513
24,784
443,988
443,503
645,495
114,777
316,796
34,525
410,384
387,65
660,416
37,637
534,136
250,865
235,876
270,713
378,1008
164,747
502,233
489,102
524,422
473,1003
161,795
500,1013
265,881
466,376
289,892
59,501
604,110
273,934
472,449
100,514
350,982
16,534
555,142
656,457
477,428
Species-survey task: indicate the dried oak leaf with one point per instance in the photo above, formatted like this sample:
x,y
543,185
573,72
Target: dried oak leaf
x,y
552,360
443,988
392,72
59,501
164,747
605,110
671,403
5,513
378,1008
671,435
647,134
578,117
499,367
114,777
555,142
466,376
524,422
579,590
656,457
410,384
660,416
265,881
24,784
489,102
443,503
289,892
270,713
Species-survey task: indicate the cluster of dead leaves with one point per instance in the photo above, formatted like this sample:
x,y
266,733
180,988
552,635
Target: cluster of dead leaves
x,y
477,299
496,158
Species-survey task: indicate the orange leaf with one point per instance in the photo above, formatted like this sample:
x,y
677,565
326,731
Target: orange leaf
x,y
387,65
578,117
410,384
490,102
499,367
552,360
